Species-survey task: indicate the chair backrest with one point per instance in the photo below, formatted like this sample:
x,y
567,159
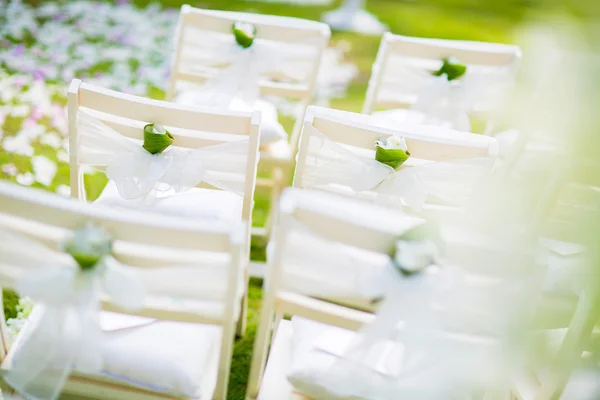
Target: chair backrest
x,y
330,225
357,133
193,128
427,54
350,241
195,23
152,247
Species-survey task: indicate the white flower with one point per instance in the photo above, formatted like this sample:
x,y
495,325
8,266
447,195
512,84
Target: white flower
x,y
392,143
246,28
414,255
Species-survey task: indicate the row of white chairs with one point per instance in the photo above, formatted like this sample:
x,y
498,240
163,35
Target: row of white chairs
x,y
179,344
106,126
286,63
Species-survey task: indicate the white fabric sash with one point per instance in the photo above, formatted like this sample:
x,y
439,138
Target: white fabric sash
x,y
139,175
245,67
443,102
64,331
329,163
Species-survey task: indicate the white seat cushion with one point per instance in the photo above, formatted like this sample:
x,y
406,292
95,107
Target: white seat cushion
x,y
205,204
316,349
271,129
162,356
175,358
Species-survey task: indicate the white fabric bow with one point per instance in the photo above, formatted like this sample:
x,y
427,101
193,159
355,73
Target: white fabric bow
x,y
64,331
329,163
410,344
139,175
245,67
448,103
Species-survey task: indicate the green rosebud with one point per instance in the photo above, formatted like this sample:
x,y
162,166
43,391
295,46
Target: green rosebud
x,y
156,138
88,246
244,33
452,68
391,151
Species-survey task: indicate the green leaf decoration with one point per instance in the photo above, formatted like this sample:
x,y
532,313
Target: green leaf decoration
x,y
244,34
392,157
88,246
156,138
452,68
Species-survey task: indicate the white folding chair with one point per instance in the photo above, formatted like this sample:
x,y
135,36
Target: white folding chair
x,y
337,149
177,345
311,288
326,277
103,124
401,62
205,51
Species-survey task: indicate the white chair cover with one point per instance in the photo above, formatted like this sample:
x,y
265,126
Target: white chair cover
x,y
443,102
329,163
244,68
139,175
64,331
420,360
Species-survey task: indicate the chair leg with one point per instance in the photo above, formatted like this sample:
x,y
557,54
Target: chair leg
x,y
260,350
240,329
278,185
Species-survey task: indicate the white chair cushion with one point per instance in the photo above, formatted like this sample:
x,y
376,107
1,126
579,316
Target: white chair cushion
x,y
163,356
316,349
270,129
205,204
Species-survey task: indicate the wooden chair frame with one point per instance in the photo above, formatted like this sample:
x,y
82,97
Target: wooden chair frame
x,y
124,113
50,219
468,52
282,29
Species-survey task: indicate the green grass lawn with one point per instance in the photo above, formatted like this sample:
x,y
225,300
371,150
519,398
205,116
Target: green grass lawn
x,y
457,19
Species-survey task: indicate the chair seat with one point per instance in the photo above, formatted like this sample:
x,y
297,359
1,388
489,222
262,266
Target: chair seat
x,y
168,358
205,204
305,350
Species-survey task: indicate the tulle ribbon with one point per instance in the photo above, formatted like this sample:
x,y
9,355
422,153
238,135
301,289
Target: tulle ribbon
x,y
447,103
245,67
329,163
63,332
139,176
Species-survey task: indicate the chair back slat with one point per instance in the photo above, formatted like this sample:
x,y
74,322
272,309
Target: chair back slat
x,y
160,112
358,134
193,128
194,24
387,89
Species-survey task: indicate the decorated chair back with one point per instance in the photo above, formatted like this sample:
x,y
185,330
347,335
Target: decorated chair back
x,y
210,149
331,254
74,259
282,60
403,77
338,153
